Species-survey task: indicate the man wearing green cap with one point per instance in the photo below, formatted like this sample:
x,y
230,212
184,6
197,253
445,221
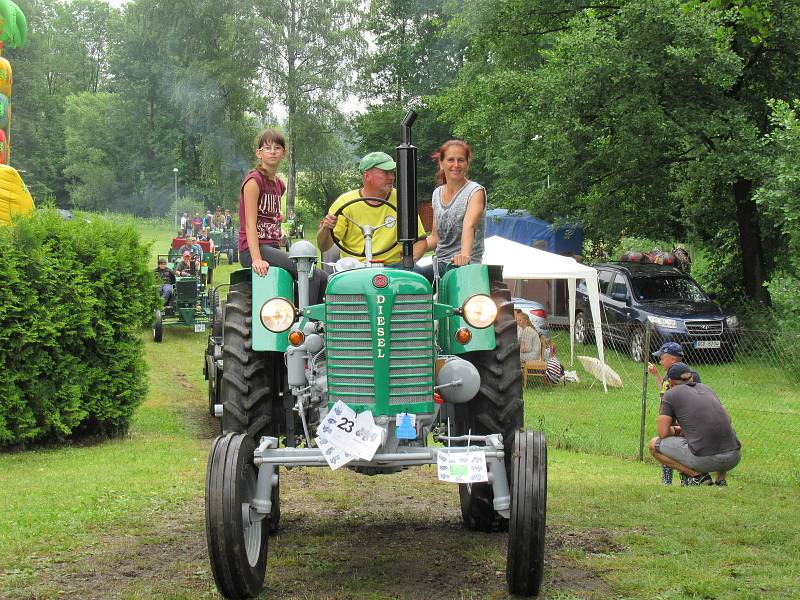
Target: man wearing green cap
x,y
377,176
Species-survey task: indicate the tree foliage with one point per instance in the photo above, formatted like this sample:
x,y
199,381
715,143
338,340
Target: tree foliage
x,y
416,53
645,117
635,117
307,50
166,96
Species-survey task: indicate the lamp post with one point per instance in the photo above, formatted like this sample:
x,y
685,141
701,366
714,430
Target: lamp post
x,y
177,220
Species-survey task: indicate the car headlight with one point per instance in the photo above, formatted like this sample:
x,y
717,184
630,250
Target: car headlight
x,y
277,314
663,322
480,311
732,322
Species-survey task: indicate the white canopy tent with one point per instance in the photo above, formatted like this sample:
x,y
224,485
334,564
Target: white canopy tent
x,y
524,262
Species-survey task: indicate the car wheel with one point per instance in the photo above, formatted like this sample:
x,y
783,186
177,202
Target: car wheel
x,y
636,345
582,335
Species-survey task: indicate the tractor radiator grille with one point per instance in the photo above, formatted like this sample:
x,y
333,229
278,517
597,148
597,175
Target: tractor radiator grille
x,y
354,359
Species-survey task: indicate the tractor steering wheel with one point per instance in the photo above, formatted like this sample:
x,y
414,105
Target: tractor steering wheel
x,y
361,228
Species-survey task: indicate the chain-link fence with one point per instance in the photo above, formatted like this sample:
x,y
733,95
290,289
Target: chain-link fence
x,y
756,375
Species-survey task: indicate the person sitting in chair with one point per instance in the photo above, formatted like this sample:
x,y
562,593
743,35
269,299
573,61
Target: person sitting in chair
x,y
530,344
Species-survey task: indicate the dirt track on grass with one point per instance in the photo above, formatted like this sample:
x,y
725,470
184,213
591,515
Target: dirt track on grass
x,y
343,535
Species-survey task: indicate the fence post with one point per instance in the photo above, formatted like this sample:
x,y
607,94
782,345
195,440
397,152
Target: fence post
x,y
645,359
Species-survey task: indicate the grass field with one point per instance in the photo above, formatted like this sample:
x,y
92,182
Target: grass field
x,y
761,395
123,518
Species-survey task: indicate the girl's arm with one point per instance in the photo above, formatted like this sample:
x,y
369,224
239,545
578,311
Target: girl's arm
x,y
260,266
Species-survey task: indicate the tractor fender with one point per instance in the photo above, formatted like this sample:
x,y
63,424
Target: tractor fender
x,y
277,283
455,288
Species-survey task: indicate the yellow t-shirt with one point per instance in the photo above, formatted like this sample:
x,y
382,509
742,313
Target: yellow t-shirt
x,y
364,214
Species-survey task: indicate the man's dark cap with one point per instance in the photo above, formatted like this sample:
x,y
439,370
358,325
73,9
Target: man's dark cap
x,y
678,370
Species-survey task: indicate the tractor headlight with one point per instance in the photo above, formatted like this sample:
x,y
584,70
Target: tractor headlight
x,y
277,315
480,311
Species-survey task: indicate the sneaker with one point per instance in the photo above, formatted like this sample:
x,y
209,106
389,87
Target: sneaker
x,y
721,483
701,479
684,480
666,475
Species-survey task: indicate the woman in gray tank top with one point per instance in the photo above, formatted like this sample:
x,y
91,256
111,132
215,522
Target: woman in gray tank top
x,y
459,208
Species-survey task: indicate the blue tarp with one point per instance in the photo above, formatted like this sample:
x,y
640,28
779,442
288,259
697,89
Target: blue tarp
x,y
521,227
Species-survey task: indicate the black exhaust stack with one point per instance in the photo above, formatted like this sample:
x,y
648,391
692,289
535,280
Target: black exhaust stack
x,y
407,190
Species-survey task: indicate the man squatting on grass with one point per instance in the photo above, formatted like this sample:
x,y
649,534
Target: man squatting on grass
x,y
669,354
704,441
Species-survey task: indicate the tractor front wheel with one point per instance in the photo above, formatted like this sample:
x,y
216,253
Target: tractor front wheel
x,y
525,559
237,539
158,327
497,408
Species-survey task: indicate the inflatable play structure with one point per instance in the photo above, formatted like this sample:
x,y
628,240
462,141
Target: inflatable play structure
x,y
14,195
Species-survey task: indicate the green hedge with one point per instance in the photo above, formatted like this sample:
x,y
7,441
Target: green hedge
x,y
74,296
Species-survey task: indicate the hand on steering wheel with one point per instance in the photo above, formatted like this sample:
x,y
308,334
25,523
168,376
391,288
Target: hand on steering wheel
x,y
362,228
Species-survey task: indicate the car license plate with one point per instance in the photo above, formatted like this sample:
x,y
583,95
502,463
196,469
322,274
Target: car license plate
x,y
198,327
701,344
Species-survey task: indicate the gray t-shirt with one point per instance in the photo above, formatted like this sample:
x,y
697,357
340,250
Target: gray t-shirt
x,y
450,223
702,418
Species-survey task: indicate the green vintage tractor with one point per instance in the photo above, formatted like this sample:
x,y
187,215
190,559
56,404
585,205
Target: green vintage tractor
x,y
291,230
365,380
225,243
191,306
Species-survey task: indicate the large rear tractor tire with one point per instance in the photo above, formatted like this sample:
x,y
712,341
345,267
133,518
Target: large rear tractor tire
x,y
496,409
526,529
248,390
237,542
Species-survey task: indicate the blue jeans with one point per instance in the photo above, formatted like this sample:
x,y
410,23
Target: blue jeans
x,y
166,292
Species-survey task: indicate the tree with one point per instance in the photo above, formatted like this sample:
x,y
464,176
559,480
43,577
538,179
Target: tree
x,y
65,53
779,193
646,116
190,94
415,54
306,47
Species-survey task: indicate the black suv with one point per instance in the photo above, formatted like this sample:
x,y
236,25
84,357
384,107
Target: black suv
x,y
679,310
